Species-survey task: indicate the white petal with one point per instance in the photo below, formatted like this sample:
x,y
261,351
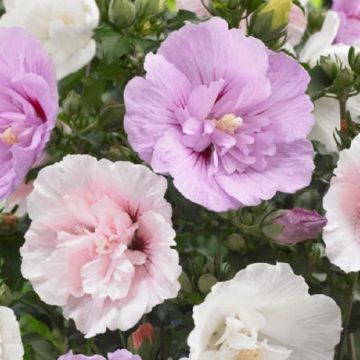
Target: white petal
x,y
327,116
10,340
319,43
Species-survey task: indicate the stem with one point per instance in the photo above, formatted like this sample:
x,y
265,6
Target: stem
x,y
343,123
342,346
122,339
352,347
218,258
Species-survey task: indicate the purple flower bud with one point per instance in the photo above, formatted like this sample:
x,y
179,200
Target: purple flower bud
x,y
299,225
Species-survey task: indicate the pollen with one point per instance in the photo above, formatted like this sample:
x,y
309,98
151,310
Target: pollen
x,y
249,354
229,123
8,137
67,20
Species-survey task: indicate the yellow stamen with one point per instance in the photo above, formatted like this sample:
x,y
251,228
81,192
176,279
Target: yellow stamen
x,y
229,123
8,137
250,354
67,20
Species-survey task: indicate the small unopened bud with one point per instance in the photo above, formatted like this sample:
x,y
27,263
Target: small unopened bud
x,y
5,295
329,66
8,220
343,80
144,332
235,242
354,60
280,10
299,225
122,13
111,117
185,283
72,104
148,8
144,342
206,282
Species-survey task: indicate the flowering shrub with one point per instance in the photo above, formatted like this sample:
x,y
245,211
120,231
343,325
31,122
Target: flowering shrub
x,y
179,180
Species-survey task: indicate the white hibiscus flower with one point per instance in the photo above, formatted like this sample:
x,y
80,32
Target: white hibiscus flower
x,y
65,28
265,313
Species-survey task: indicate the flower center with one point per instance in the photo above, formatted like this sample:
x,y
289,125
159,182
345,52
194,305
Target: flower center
x,y
67,20
249,354
229,123
8,137
103,246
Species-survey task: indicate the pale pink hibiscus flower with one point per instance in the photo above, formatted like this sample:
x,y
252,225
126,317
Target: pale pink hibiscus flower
x,y
99,244
342,205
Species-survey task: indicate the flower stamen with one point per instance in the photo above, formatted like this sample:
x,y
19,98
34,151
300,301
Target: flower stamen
x,y
250,354
8,137
67,20
229,123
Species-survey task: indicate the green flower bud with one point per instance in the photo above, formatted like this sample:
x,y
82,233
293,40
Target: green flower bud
x,y
329,66
5,295
206,282
235,242
149,8
72,104
280,10
354,60
111,117
185,283
122,13
344,80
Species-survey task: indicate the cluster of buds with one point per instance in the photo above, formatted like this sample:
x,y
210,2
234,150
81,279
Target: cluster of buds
x,y
342,80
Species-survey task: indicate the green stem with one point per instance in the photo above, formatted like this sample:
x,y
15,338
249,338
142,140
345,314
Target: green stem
x,y
342,346
218,258
352,347
122,339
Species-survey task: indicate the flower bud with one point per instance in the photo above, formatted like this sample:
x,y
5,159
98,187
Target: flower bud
x,y
143,342
343,80
235,242
9,220
329,66
206,282
111,117
5,295
149,8
185,283
354,60
72,104
299,225
280,10
122,13
268,23
144,332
